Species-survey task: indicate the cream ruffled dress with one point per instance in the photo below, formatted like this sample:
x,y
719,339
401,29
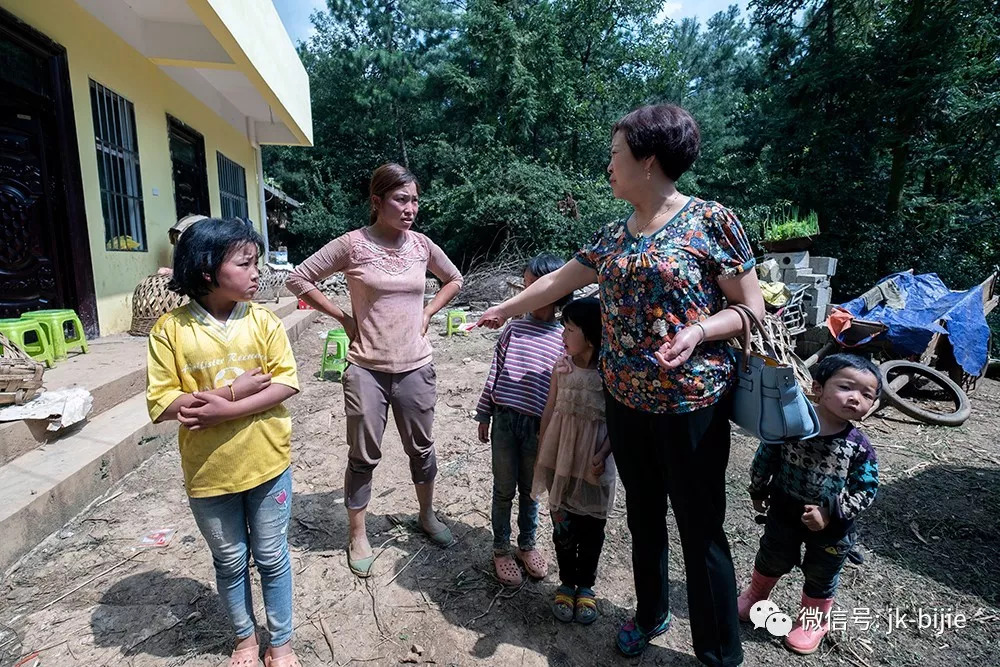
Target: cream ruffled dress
x,y
563,467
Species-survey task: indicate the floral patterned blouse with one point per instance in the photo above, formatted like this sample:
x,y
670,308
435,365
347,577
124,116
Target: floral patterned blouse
x,y
651,288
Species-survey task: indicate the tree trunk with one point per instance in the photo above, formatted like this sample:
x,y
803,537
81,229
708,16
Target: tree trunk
x,y
390,46
897,177
400,137
908,115
831,32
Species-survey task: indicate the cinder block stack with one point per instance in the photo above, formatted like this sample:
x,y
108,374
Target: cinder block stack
x,y
812,274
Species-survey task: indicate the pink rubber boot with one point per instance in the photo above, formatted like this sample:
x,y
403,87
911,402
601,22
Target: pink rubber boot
x,y
806,637
760,588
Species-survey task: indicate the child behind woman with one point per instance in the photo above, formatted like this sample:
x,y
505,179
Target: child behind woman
x,y
222,366
813,491
574,465
513,399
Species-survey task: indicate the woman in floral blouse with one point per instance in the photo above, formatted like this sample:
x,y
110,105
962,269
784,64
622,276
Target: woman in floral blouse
x,y
665,274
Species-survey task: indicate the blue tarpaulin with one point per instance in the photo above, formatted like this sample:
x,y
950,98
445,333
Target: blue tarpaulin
x,y
919,303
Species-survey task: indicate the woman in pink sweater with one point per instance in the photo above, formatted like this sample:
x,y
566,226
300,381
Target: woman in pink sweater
x,y
386,265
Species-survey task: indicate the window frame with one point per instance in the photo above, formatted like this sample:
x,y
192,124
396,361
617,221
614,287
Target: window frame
x,y
118,168
233,202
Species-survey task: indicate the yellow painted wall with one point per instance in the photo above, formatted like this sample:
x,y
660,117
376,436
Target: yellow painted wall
x,y
95,52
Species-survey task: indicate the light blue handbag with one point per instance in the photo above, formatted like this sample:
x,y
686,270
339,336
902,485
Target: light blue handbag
x,y
768,402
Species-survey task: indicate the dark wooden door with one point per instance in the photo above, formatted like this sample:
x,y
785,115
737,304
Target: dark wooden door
x,y
44,251
29,246
187,155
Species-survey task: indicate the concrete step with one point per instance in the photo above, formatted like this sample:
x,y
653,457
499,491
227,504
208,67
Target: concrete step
x,y
113,371
44,488
284,306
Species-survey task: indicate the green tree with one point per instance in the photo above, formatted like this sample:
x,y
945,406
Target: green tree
x,y
880,115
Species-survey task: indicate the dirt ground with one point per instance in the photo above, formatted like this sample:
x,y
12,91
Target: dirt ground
x,y
88,596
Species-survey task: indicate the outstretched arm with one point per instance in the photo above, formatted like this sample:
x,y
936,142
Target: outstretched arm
x,y
547,289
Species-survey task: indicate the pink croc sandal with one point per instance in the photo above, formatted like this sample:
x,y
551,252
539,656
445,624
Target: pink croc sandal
x,y
508,572
245,657
284,661
534,562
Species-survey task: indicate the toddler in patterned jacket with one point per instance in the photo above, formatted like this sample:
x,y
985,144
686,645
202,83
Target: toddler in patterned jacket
x,y
813,491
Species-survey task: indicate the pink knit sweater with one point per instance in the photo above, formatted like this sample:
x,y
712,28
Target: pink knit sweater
x,y
387,294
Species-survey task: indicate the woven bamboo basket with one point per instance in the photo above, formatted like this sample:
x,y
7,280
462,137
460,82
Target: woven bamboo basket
x,y
150,300
784,349
20,375
270,284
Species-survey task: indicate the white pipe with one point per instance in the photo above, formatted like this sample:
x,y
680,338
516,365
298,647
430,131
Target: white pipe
x,y
259,167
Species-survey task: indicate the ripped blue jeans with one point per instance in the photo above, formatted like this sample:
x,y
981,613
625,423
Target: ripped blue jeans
x,y
255,522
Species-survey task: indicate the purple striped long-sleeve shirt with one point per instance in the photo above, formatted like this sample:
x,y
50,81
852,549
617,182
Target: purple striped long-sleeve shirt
x,y
522,365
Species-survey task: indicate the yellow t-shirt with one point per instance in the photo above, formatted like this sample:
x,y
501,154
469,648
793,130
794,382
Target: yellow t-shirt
x,y
189,351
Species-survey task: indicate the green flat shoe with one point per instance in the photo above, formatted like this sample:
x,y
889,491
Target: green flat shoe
x,y
361,567
442,538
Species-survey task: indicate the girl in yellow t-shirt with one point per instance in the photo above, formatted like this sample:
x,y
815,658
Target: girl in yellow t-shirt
x,y
222,366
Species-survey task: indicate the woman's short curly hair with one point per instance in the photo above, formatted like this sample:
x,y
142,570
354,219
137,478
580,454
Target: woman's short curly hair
x,y
665,131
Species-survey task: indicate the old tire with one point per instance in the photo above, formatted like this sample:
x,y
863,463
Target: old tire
x,y
889,395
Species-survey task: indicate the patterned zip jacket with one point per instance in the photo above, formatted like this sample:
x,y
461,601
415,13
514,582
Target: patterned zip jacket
x,y
838,472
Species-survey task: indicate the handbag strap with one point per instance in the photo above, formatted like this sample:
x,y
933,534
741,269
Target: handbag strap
x,y
745,341
746,311
767,343
750,321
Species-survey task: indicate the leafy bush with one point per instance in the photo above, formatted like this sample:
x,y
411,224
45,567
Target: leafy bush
x,y
322,219
497,199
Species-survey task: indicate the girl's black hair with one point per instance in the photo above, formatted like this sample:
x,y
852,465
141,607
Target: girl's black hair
x,y
586,314
828,367
539,265
202,249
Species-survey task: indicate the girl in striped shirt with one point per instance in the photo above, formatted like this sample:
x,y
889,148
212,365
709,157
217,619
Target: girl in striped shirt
x,y
513,400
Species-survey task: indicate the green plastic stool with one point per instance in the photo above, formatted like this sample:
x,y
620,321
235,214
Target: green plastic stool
x,y
54,322
40,350
456,318
336,362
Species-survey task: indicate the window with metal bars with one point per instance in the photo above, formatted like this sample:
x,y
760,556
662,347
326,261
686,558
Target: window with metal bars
x,y
118,170
232,188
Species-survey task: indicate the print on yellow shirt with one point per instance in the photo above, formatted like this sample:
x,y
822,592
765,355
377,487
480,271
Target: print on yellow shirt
x,y
191,351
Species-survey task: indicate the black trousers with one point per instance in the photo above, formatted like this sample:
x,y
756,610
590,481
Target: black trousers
x,y
682,457
579,540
